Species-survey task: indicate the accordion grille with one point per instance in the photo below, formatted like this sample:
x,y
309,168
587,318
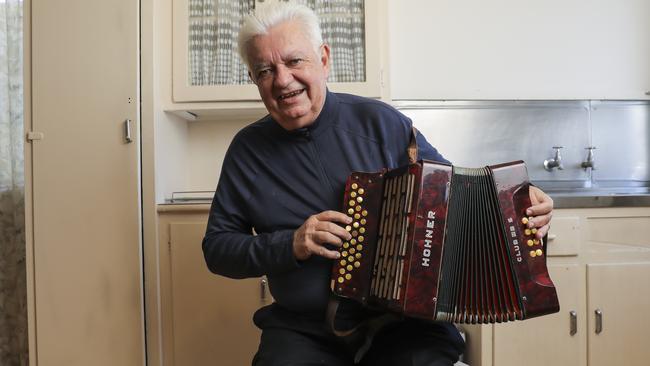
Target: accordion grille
x,y
394,227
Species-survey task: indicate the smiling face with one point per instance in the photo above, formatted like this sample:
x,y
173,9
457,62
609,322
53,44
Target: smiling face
x,y
290,76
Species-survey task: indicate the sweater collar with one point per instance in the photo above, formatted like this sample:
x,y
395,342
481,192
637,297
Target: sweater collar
x,y
323,121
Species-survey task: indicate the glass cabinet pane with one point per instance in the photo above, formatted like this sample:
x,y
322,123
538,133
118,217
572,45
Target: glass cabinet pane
x,y
214,27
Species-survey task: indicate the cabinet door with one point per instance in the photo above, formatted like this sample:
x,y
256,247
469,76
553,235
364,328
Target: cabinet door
x,y
211,315
621,292
547,340
207,67
87,279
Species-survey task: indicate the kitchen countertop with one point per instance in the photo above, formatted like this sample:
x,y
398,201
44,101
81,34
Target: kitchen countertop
x,y
561,199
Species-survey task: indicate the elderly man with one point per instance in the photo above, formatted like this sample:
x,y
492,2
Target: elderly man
x,y
283,177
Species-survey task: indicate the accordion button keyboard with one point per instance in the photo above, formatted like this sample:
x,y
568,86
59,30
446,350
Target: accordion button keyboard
x,y
363,221
357,264
530,242
533,253
355,186
527,232
362,230
350,211
524,220
539,252
361,191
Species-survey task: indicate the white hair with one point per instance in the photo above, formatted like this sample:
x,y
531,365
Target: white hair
x,y
273,13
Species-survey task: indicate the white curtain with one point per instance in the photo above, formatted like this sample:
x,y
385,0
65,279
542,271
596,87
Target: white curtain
x,y
13,303
214,28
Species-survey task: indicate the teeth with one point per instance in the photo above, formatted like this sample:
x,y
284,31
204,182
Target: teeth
x,y
290,94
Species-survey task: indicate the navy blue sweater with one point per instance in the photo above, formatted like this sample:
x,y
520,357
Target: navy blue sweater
x,y
273,179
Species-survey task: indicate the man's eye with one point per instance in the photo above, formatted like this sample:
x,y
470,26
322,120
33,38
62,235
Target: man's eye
x,y
295,62
263,73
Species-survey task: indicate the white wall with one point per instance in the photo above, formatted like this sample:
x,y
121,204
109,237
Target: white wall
x,y
513,49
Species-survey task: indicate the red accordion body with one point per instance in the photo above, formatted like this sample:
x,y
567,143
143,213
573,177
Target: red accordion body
x,y
444,243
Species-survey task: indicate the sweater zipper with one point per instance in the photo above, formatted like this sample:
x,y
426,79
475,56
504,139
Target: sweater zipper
x,y
317,161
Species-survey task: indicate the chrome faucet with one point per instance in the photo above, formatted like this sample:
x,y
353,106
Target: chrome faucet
x,y
589,163
554,162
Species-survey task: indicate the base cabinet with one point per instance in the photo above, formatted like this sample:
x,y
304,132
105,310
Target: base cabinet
x,y
618,303
550,340
599,260
600,265
206,319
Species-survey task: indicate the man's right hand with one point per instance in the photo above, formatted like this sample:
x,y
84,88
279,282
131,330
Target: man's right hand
x,y
318,230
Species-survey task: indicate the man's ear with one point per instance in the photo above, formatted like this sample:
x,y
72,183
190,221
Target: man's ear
x,y
325,57
250,76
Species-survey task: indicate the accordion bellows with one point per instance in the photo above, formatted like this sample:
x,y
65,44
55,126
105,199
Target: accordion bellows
x,y
440,242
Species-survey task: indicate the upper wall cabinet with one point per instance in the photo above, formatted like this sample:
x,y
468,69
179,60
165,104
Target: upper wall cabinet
x,y
512,49
207,68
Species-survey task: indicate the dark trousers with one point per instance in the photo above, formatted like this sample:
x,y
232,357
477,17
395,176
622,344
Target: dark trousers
x,y
289,340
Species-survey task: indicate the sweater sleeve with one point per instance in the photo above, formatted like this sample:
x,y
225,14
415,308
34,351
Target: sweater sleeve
x,y
428,152
230,248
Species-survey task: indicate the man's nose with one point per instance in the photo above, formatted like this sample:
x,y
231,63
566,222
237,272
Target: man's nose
x,y
283,76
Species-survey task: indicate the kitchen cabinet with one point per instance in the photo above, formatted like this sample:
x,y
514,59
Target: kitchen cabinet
x,y
599,259
608,273
618,302
207,68
82,191
205,318
509,49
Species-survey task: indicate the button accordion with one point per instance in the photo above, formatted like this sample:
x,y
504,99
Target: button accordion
x,y
441,242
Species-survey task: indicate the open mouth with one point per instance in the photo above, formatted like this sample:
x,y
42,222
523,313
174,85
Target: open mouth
x,y
290,95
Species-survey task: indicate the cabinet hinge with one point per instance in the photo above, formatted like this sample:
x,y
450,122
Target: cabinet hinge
x,y
33,135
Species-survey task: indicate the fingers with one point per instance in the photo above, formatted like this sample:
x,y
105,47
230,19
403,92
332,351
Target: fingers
x,y
541,202
333,216
319,230
540,212
542,231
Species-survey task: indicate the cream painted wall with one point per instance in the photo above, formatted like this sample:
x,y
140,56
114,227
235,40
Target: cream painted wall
x,y
209,143
511,49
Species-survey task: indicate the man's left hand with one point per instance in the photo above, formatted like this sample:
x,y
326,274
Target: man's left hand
x,y
540,212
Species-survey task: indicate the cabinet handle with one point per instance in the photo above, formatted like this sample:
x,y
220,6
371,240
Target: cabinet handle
x,y
573,316
127,131
263,289
599,321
